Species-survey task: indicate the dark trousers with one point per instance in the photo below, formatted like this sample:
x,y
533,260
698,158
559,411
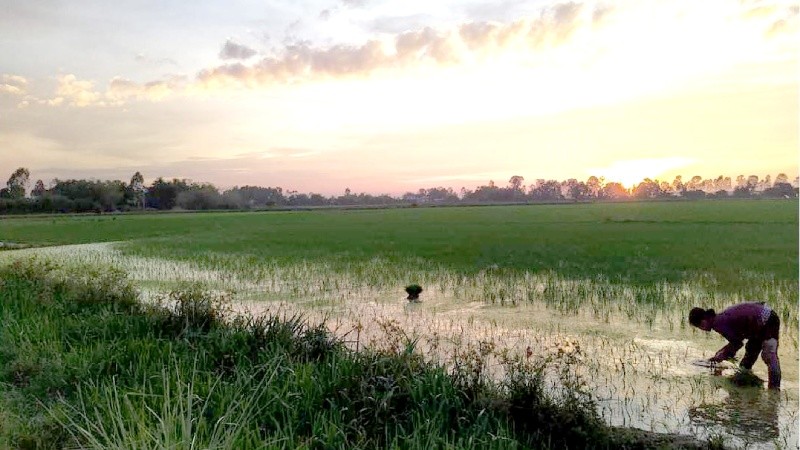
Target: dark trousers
x,y
764,344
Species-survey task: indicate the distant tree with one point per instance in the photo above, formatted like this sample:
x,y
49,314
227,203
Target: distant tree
x,y
646,189
726,184
745,187
198,196
232,199
742,192
666,189
317,199
489,193
515,182
73,189
677,185
17,183
547,191
722,193
437,195
86,195
163,194
38,189
752,182
300,199
595,186
615,191
781,178
694,194
780,190
695,183
566,187
108,194
766,183
257,197
347,199
580,191
410,197
137,190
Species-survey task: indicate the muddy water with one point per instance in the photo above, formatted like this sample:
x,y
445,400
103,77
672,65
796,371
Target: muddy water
x,y
640,372
642,376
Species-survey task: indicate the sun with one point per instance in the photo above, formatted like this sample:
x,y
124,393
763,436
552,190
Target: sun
x,y
631,172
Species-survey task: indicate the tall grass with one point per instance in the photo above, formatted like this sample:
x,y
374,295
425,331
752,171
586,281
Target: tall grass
x,y
85,364
172,412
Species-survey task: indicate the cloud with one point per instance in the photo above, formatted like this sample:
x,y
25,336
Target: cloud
x,y
303,61
13,84
399,24
601,13
142,58
525,42
777,18
75,92
426,44
300,61
121,90
354,3
786,23
233,50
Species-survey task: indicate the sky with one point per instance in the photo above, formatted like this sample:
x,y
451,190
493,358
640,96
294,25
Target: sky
x,y
391,96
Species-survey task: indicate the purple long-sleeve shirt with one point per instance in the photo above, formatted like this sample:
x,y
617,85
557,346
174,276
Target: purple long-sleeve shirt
x,y
740,322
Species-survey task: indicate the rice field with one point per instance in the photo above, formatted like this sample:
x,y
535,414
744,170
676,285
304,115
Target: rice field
x,y
605,286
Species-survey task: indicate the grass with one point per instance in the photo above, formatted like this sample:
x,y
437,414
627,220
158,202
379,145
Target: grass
x,y
88,365
638,243
609,265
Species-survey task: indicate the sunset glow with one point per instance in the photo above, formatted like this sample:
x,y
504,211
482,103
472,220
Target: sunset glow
x,y
631,172
375,96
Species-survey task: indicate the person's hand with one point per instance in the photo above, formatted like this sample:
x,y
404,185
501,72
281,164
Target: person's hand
x,y
714,359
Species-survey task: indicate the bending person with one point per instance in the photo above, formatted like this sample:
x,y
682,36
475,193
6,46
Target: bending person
x,y
753,321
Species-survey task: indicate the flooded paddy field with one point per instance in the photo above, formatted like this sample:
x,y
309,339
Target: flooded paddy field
x,y
636,363
601,291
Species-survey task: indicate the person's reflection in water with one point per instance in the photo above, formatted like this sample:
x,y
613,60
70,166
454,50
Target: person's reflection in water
x,y
750,414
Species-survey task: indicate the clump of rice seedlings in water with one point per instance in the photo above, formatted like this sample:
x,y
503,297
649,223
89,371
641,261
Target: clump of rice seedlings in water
x,y
746,378
413,291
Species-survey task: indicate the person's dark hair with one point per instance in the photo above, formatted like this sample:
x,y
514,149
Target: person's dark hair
x,y
696,315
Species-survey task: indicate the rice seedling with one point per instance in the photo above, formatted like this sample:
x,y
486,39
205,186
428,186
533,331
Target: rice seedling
x,y
630,327
244,382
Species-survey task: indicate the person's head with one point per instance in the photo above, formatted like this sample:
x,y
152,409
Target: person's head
x,y
702,318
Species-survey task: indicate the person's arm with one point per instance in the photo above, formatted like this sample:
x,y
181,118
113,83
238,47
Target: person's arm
x,y
727,352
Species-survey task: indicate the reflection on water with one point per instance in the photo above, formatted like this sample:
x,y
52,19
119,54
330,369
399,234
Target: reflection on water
x,y
750,414
639,371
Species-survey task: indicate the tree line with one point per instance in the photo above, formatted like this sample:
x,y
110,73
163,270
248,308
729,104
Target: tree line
x,y
82,195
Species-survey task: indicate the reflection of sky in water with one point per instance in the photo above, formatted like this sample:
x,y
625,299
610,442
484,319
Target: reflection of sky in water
x,y
640,372
646,382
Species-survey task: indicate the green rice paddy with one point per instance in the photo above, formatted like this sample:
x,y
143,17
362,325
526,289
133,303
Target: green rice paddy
x,y
632,242
609,284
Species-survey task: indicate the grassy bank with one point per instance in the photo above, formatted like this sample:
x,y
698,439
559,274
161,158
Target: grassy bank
x,y
84,363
